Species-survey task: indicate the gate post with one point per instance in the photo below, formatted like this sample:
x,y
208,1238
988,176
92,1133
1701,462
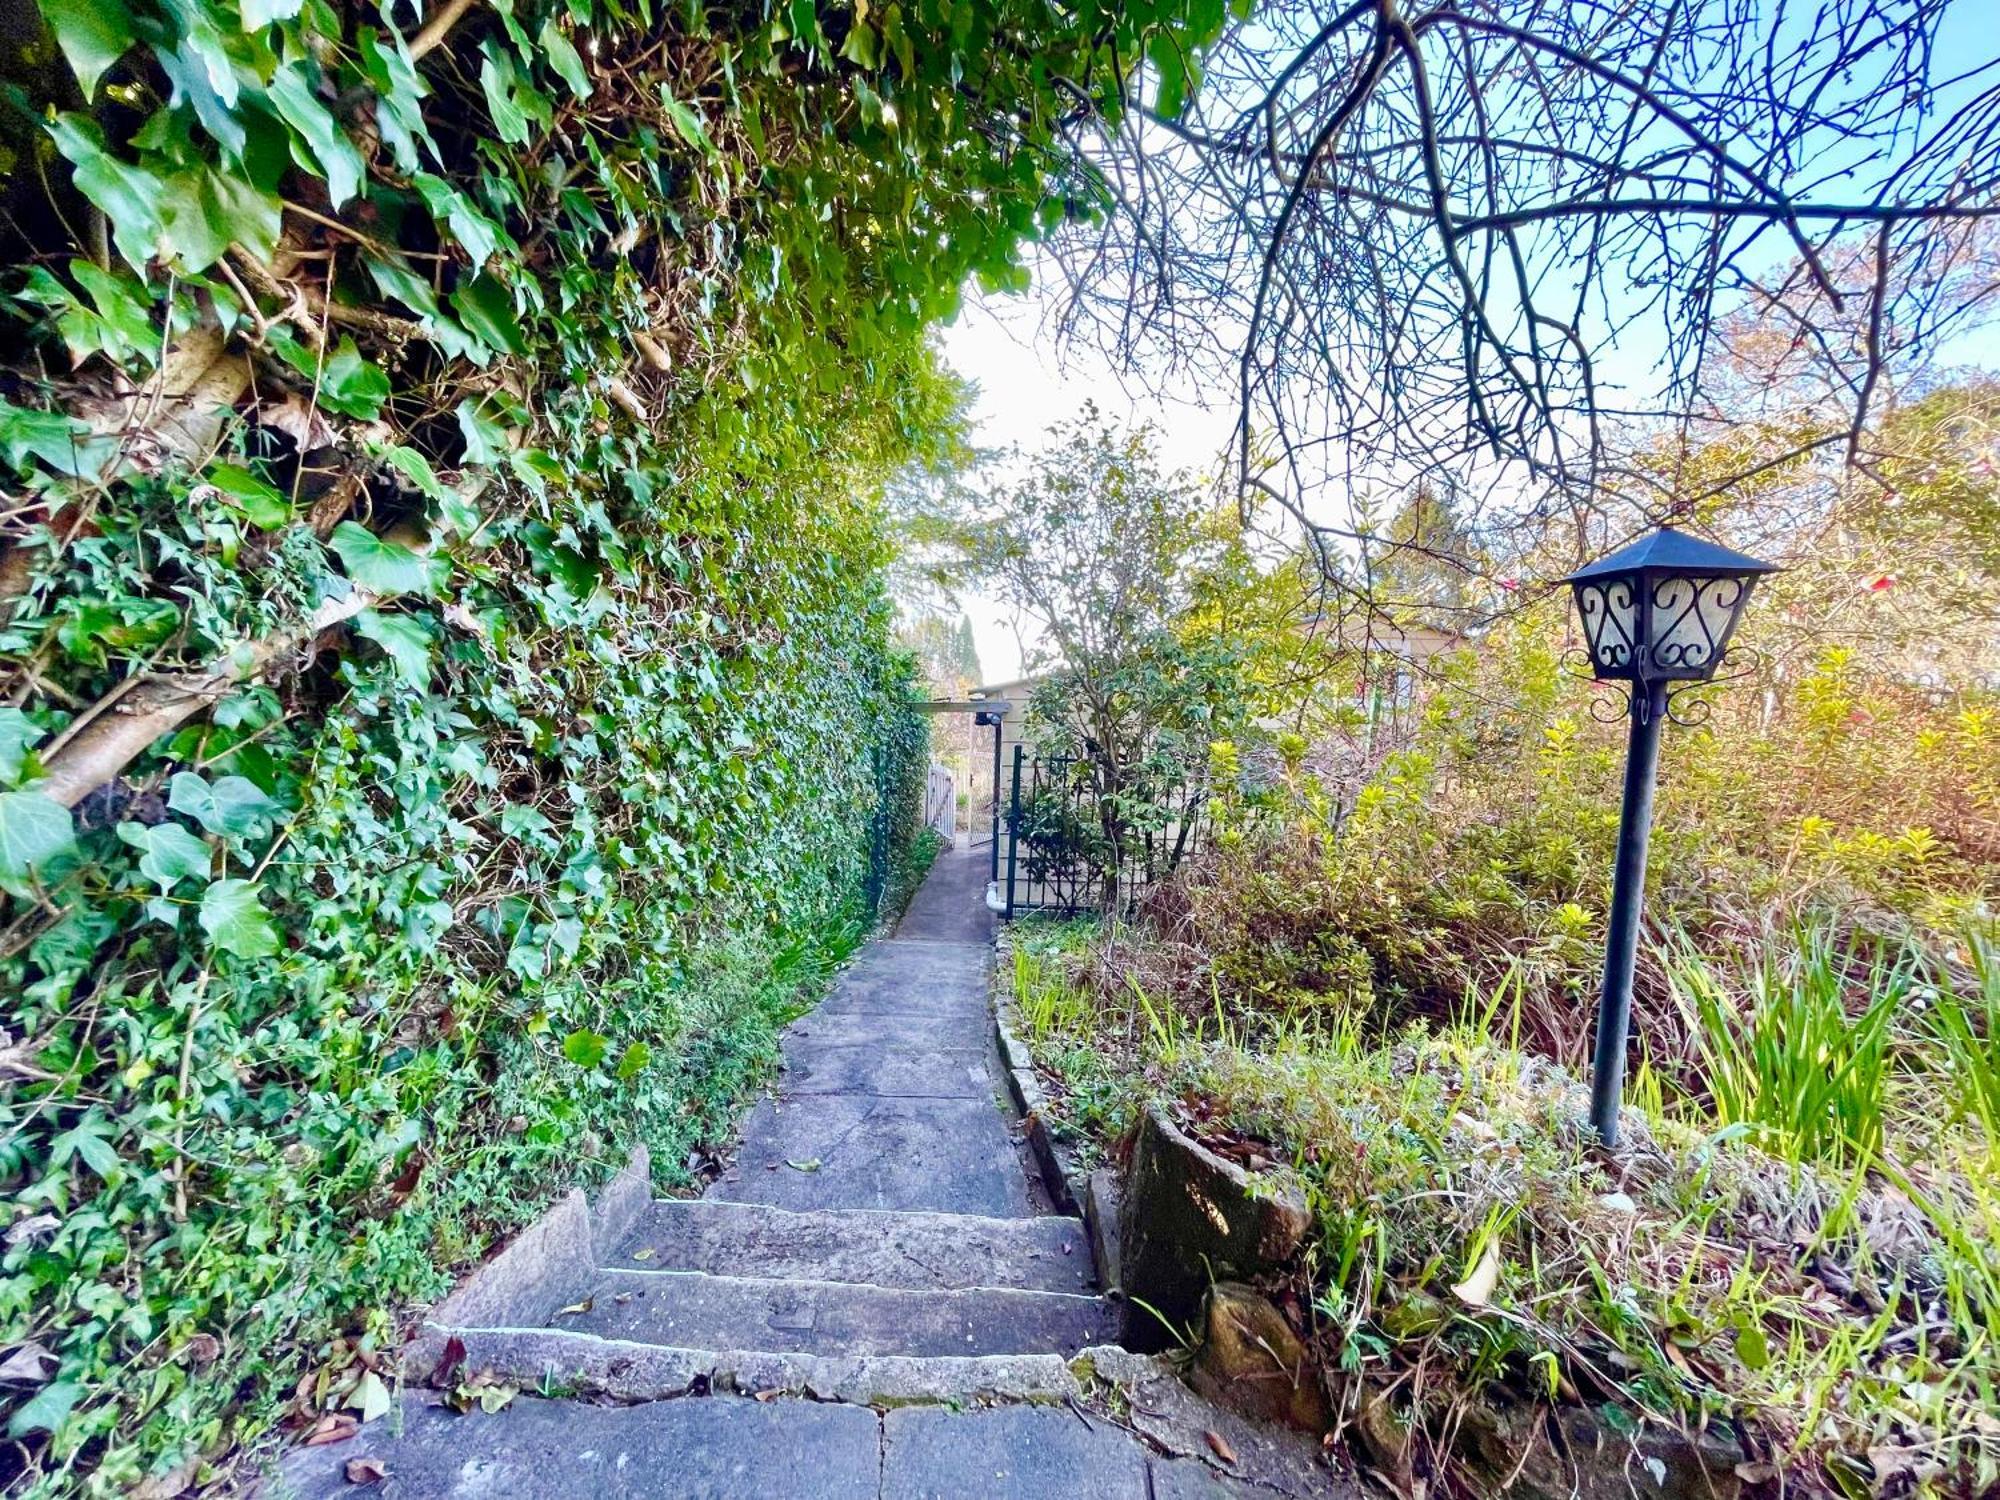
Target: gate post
x,y
1013,825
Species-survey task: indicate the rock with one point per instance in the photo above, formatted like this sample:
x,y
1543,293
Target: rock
x,y
1385,1438
1580,1456
1252,1362
1187,1215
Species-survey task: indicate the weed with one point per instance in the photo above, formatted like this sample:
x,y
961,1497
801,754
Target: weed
x,y
1785,1059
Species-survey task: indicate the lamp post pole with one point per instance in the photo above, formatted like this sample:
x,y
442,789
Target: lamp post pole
x,y
1628,895
1657,613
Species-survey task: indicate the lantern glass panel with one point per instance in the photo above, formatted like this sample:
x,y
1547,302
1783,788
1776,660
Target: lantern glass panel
x,y
1609,609
1693,617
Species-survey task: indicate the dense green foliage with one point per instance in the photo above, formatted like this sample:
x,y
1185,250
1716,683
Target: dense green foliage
x,y
1383,969
452,456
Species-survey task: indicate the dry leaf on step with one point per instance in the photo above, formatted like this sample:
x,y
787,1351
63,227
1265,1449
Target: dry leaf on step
x,y
810,1164
1477,1288
334,1427
366,1471
1220,1445
370,1396
578,1307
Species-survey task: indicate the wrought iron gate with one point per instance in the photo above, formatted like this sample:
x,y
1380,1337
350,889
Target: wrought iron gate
x,y
1060,857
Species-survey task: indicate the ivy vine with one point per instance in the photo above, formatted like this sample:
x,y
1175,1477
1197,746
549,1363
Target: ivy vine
x,y
446,709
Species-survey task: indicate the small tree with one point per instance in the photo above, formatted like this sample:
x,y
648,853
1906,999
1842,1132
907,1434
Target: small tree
x,y
1106,553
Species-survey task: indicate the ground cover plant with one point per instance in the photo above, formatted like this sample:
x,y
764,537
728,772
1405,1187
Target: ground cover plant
x,y
446,717
1823,1322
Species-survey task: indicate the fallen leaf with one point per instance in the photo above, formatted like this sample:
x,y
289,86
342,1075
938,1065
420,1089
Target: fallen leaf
x,y
171,1485
30,1364
203,1349
370,1396
1477,1288
767,1395
810,1164
577,1308
366,1471
34,1227
1478,1129
449,1363
334,1427
645,1254
1220,1445
299,421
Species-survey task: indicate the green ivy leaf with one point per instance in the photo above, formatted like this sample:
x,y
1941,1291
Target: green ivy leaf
x,y
234,805
687,124
90,1139
292,94
476,234
484,306
382,566
634,1061
499,82
399,92
235,921
584,1048
19,735
64,444
205,211
170,854
485,439
128,196
518,818
562,57
93,34
405,639
352,386
34,829
262,504
46,1410
417,469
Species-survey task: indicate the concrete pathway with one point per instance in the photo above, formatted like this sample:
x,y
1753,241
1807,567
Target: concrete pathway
x,y
878,1244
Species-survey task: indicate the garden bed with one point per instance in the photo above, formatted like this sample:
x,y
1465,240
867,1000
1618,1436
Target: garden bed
x,y
1484,1282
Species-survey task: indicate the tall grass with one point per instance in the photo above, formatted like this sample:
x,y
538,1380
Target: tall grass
x,y
1783,1059
1965,1021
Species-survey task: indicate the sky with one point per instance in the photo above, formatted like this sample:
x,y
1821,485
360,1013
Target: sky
x,y
997,342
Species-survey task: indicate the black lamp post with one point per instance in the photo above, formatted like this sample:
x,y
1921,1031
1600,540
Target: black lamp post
x,y
1654,614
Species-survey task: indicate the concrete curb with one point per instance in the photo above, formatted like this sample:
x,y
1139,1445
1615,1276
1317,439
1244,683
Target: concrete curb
x,y
1060,1174
546,1267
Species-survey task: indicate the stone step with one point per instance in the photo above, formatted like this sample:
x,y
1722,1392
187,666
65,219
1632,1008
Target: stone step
x,y
584,1365
920,1251
536,1450
726,1448
694,1310
865,1151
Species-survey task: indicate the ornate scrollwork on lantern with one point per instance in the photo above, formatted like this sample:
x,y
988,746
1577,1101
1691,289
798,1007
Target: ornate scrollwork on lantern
x,y
1662,610
1689,706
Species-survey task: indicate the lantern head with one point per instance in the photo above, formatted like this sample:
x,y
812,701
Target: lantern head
x,y
1664,608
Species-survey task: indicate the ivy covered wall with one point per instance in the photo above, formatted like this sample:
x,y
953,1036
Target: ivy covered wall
x,y
443,674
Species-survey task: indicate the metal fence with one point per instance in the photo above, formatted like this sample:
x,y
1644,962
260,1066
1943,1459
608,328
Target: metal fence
x,y
1061,857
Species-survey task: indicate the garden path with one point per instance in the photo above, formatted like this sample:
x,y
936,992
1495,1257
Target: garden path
x,y
878,1244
